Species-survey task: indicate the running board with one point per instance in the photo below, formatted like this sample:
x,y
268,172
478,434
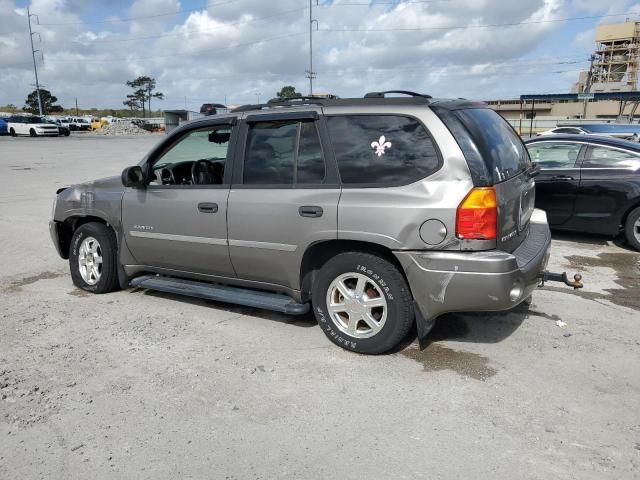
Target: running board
x,y
222,293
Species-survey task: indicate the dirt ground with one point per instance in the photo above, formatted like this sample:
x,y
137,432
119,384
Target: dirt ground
x,y
145,385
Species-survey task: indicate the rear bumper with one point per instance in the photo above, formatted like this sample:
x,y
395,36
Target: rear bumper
x,y
444,282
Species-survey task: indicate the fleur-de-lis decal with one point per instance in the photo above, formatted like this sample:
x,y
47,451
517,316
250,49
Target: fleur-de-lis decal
x,y
381,145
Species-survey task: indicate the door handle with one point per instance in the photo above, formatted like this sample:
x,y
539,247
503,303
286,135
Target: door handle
x,y
561,178
310,211
208,207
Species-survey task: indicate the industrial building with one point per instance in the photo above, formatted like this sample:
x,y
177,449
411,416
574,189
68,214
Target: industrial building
x,y
613,71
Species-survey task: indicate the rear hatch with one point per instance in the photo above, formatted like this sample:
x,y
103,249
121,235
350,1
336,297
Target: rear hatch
x,y
496,157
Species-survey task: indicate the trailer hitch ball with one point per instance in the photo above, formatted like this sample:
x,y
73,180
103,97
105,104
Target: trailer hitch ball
x,y
560,277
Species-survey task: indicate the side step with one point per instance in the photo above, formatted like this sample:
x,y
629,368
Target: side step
x,y
222,293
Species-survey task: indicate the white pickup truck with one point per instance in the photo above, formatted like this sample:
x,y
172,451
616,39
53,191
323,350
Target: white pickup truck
x,y
31,125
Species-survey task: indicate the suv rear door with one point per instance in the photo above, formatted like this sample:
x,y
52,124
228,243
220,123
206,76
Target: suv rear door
x,y
496,157
284,196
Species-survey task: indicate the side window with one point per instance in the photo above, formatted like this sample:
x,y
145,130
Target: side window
x,y
382,149
283,153
554,155
198,158
603,157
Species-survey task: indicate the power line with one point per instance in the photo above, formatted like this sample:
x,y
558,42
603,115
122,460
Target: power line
x,y
121,59
466,27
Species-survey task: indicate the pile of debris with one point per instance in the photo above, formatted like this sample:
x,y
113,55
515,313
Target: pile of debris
x,y
121,128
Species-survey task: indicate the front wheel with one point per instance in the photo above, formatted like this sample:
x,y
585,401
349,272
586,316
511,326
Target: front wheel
x,y
12,132
632,228
362,303
93,258
32,133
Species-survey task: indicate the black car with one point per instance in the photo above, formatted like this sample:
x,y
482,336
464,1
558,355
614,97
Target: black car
x,y
589,183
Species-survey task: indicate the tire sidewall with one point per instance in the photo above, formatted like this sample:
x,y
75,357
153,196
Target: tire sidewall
x,y
631,220
101,234
386,277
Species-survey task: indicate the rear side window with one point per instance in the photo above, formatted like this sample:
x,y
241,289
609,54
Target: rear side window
x,y
603,157
382,149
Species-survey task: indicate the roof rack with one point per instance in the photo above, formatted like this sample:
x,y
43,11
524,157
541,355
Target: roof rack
x,y
402,92
369,99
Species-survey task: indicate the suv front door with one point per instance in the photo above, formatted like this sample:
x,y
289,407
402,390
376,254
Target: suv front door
x,y
179,221
284,196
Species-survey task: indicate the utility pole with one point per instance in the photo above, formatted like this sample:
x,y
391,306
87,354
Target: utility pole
x,y
33,55
76,106
310,73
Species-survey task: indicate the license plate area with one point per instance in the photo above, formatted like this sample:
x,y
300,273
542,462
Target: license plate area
x,y
527,206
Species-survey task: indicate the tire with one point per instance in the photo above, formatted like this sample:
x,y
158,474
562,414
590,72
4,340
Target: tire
x,y
12,132
381,282
90,239
67,133
32,133
632,228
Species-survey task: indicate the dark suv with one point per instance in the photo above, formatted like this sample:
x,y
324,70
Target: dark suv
x,y
376,211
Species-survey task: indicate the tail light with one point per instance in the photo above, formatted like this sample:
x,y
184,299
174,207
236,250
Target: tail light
x,y
477,215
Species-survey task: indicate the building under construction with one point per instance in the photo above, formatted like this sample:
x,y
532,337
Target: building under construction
x,y
614,63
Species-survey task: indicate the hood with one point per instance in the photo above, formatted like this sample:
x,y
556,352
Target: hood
x,y
111,183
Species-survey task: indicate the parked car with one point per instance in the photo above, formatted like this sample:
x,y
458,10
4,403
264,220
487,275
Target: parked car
x,y
565,130
4,129
626,131
31,125
589,184
79,124
376,211
62,128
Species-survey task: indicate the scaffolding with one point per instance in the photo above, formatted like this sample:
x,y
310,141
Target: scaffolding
x,y
615,60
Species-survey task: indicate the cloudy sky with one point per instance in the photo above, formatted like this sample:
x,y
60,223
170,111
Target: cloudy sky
x,y
203,51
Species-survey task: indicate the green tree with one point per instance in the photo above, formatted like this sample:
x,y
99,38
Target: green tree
x,y
48,102
10,108
143,91
288,91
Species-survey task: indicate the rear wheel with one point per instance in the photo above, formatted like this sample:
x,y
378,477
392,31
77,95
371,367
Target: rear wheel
x,y
93,258
632,228
12,132
362,303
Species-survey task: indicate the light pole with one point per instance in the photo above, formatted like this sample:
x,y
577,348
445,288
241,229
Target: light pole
x,y
33,55
258,97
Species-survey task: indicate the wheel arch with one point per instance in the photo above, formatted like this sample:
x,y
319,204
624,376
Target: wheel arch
x,y
632,206
317,254
67,228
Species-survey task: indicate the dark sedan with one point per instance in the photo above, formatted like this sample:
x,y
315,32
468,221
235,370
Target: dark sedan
x,y
589,184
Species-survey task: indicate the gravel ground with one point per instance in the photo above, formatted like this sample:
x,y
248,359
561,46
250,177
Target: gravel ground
x,y
146,385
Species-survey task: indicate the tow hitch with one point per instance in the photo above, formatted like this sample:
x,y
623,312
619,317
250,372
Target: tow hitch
x,y
560,277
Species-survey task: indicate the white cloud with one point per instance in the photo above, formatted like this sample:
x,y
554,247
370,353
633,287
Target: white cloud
x,y
246,47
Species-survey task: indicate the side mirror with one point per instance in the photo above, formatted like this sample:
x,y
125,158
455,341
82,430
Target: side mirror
x,y
133,177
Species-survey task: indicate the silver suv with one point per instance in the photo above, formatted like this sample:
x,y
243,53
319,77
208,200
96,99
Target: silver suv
x,y
375,212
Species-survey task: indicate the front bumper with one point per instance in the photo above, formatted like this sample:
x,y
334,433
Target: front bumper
x,y
444,282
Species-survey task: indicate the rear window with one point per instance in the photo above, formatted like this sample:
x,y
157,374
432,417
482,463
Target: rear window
x,y
502,149
382,149
492,148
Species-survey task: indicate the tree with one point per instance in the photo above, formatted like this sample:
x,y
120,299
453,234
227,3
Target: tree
x,y
48,102
10,108
288,91
143,92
